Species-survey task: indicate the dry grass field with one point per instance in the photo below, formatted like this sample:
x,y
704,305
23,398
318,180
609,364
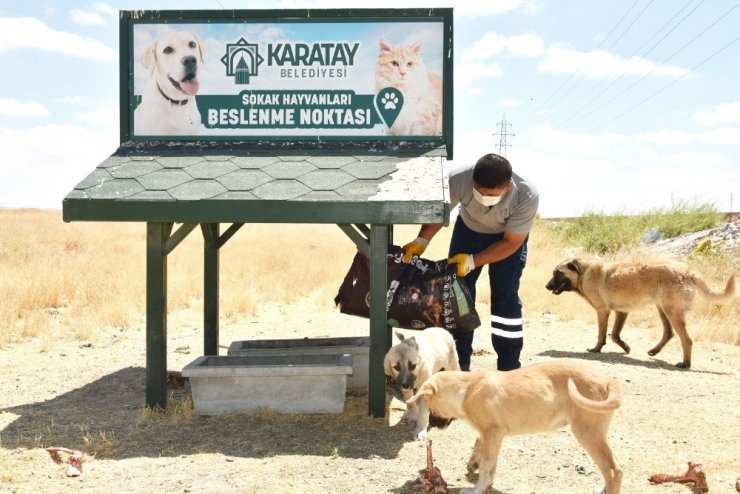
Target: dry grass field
x,y
72,355
72,280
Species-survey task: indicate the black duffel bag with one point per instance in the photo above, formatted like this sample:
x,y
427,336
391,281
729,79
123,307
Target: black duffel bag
x,y
420,295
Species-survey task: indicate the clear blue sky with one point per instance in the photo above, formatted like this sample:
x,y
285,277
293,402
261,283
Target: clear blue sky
x,y
614,106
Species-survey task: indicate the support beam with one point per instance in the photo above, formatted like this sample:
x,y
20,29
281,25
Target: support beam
x,y
380,334
364,229
156,314
359,238
230,231
211,266
178,236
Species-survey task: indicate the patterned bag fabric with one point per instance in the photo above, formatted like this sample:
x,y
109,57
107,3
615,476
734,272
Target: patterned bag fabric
x,y
421,294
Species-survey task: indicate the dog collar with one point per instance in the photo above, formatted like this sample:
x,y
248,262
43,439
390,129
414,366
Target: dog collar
x,y
178,102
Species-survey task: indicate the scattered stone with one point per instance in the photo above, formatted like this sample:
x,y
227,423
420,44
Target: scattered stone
x,y
175,379
722,238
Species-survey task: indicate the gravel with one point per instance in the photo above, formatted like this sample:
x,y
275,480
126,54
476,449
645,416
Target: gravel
x,y
722,238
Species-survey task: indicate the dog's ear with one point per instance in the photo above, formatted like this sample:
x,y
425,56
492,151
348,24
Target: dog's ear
x,y
426,389
149,59
574,265
400,336
201,49
412,342
387,366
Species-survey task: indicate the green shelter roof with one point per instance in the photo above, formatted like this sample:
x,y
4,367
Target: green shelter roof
x,y
267,182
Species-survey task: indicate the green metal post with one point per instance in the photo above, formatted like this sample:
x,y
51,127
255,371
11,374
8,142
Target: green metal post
x,y
210,287
379,330
156,314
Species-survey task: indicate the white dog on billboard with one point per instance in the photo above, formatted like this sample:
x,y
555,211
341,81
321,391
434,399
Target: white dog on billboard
x,y
168,105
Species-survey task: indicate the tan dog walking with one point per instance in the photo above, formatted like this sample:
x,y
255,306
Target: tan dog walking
x,y
541,397
625,286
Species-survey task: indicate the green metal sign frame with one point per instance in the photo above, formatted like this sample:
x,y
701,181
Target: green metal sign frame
x,y
368,106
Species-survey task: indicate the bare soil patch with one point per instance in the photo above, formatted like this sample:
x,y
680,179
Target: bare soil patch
x,y
89,396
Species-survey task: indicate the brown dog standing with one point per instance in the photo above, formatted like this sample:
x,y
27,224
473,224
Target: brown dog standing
x,y
541,397
628,285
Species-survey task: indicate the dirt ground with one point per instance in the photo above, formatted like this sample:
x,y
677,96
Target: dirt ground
x,y
89,395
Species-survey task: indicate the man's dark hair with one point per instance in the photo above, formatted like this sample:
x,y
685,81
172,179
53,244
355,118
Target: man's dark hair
x,y
492,171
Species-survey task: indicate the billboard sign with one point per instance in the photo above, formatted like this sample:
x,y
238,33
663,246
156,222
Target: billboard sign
x,y
335,74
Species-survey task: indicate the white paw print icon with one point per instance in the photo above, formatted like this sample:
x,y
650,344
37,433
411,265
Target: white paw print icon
x,y
389,100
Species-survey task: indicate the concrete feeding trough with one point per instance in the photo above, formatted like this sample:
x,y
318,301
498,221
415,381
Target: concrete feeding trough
x,y
283,383
358,347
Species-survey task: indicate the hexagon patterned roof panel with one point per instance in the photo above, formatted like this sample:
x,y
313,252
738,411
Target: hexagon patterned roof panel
x,y
383,183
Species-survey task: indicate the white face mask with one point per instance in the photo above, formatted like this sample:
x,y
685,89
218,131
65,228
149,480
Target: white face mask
x,y
487,201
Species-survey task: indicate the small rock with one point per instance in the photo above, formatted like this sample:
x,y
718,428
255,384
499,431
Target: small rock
x,y
651,236
520,449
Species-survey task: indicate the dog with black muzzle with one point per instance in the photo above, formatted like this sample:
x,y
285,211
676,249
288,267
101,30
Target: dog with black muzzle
x,y
412,361
168,105
627,285
540,397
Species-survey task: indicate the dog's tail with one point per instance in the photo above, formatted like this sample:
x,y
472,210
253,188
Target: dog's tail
x,y
611,403
724,296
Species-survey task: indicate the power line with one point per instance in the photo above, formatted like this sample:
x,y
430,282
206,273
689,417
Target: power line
x,y
667,59
667,85
603,40
551,82
583,75
642,56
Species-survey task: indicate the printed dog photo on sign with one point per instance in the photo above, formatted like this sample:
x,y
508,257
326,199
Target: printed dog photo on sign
x,y
168,105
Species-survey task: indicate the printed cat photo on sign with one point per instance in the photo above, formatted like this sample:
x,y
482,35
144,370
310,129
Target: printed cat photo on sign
x,y
402,67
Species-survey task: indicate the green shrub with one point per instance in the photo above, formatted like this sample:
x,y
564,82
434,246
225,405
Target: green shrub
x,y
684,218
601,234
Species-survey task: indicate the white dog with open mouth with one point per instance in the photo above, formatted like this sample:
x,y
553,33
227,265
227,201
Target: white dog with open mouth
x,y
168,104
